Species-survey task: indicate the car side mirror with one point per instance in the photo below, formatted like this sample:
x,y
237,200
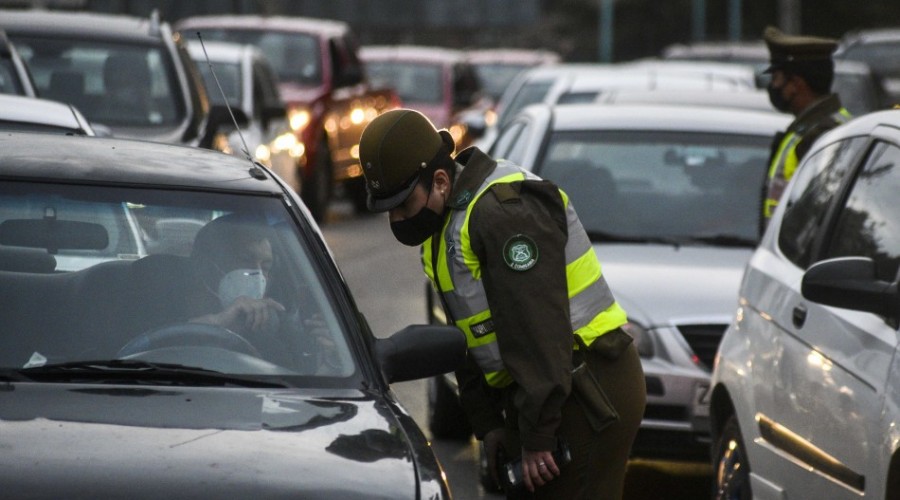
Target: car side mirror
x,y
475,122
421,351
851,283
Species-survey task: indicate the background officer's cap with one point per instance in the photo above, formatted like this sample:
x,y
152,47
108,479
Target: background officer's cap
x,y
789,51
394,150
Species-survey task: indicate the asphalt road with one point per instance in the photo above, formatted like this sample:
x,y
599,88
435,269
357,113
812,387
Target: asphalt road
x,y
388,284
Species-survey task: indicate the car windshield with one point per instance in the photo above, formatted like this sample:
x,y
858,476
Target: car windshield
x,y
113,277
880,56
229,76
114,84
530,93
295,57
9,78
684,187
413,82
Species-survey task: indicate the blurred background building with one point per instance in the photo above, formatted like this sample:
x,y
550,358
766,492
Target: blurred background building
x,y
635,28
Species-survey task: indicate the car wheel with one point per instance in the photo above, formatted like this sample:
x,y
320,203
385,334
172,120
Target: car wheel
x,y
445,415
316,190
731,466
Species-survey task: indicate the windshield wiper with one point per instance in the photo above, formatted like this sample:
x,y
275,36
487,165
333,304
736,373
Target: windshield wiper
x,y
726,240
605,236
135,371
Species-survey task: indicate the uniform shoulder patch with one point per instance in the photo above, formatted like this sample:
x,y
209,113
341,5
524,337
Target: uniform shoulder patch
x,y
520,253
504,192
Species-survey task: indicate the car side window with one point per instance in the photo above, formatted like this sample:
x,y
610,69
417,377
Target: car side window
x,y
815,187
507,139
869,222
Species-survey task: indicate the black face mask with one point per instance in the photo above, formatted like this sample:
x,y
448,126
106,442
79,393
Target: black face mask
x,y
416,229
777,98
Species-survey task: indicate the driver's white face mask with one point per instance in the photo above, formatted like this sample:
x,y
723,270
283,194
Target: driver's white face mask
x,y
250,283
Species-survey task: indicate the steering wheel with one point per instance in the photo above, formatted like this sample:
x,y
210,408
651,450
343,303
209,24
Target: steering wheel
x,y
188,334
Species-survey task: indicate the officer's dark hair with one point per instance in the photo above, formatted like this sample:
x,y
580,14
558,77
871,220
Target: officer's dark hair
x,y
818,75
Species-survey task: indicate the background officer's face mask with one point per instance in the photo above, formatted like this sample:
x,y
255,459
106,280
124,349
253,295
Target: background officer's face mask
x,y
414,230
776,97
249,283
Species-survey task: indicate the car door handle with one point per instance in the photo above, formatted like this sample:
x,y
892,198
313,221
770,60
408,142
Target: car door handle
x,y
799,316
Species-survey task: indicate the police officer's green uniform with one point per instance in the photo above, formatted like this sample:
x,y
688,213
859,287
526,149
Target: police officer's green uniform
x,y
796,53
518,275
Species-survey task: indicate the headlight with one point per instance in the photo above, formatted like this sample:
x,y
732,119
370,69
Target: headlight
x,y
643,340
299,118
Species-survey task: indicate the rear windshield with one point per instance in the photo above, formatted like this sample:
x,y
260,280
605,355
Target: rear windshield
x,y
413,82
294,56
113,84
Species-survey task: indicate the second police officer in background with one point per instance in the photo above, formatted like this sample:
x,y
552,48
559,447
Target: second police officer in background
x,y
516,272
802,71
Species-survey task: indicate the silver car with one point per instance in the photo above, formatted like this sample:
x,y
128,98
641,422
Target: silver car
x,y
805,399
671,199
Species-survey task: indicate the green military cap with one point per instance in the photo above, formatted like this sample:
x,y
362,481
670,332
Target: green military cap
x,y
394,149
786,51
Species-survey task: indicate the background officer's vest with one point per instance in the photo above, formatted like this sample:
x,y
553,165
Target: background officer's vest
x,y
592,308
785,162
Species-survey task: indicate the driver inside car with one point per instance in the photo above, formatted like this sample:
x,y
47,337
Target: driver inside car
x,y
234,261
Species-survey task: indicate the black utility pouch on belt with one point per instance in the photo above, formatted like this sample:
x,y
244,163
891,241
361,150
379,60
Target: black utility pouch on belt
x,y
588,392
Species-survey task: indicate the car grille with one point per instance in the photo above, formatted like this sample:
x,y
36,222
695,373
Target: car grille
x,y
704,341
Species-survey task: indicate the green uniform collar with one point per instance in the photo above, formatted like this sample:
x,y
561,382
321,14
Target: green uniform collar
x,y
477,166
815,114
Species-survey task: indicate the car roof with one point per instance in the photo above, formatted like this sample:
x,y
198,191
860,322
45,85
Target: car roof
x,y
322,27
410,53
743,99
78,159
222,51
83,24
14,108
512,56
574,117
862,125
871,36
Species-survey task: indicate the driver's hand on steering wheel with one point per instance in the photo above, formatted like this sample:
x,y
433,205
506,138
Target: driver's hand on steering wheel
x,y
245,315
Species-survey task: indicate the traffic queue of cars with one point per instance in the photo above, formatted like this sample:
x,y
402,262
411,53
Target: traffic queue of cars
x,y
776,352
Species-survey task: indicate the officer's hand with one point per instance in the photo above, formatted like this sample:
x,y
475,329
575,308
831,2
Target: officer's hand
x,y
538,468
493,444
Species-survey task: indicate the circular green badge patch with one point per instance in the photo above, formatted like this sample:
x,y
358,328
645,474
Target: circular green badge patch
x,y
520,253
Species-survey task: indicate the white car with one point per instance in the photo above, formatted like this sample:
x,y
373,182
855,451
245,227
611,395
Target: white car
x,y
33,114
670,196
250,85
805,399
584,83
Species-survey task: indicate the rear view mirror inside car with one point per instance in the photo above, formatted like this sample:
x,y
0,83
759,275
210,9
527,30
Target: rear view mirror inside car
x,y
53,234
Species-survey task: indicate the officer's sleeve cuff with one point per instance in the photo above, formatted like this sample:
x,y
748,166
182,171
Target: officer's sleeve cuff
x,y
538,442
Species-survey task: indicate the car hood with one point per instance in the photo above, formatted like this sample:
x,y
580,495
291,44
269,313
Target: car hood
x,y
62,441
660,285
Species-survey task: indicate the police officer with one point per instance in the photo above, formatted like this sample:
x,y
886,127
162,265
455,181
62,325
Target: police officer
x,y
802,72
516,272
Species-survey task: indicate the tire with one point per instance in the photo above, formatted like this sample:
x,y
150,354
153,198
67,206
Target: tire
x,y
446,418
731,468
316,189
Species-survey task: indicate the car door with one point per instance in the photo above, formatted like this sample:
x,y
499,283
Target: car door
x,y
828,365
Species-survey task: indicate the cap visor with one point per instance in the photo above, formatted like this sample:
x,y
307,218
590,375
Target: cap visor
x,y
384,204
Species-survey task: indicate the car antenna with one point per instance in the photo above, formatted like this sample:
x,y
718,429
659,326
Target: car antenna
x,y
255,171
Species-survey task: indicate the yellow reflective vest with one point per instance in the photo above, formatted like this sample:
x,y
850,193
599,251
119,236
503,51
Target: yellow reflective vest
x,y
457,277
785,160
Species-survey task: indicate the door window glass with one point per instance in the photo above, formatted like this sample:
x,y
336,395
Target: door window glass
x,y
869,223
816,185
